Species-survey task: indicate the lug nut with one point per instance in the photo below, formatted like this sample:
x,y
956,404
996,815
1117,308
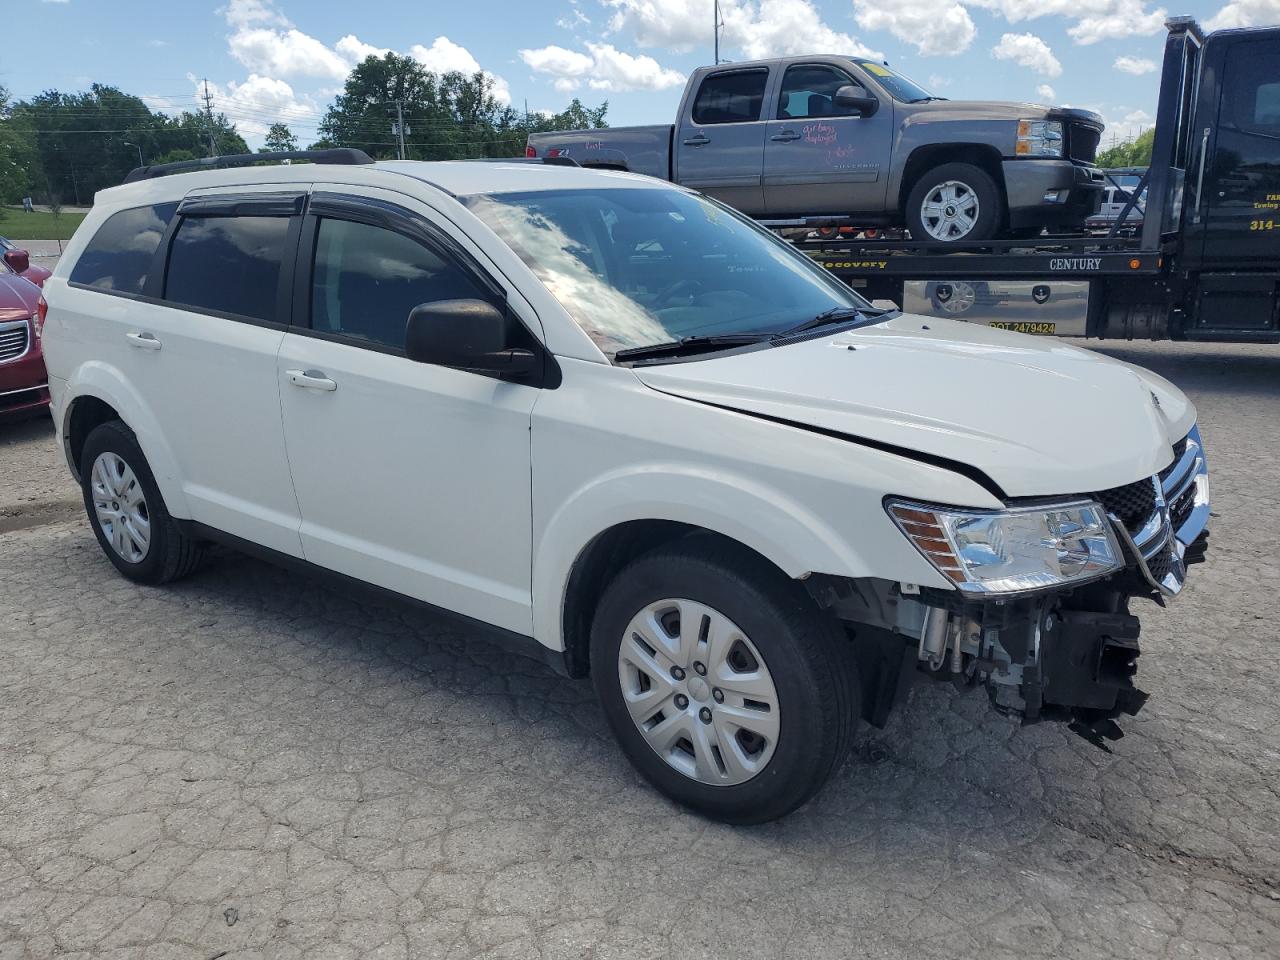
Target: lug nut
x,y
677,673
718,694
700,668
681,701
704,715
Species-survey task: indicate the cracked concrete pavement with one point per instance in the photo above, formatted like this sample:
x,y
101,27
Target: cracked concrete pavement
x,y
251,763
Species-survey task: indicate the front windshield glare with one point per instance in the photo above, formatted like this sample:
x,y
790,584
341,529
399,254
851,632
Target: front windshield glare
x,y
638,267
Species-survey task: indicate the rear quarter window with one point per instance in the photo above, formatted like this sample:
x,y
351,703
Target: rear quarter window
x,y
119,255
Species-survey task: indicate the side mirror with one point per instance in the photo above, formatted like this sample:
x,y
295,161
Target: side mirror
x,y
851,97
466,335
19,261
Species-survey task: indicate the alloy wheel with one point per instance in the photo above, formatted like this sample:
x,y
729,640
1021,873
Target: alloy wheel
x,y
950,211
699,692
121,507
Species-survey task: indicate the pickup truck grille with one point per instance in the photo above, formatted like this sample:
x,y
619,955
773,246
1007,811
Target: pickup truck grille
x,y
13,340
1082,142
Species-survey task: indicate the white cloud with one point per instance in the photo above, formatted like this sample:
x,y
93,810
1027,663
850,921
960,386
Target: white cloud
x,y
933,27
242,13
1135,65
1045,93
445,56
285,52
356,50
752,28
1094,19
1028,50
1245,13
602,67
257,103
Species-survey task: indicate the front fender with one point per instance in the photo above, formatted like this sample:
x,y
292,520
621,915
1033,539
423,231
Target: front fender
x,y
107,383
756,514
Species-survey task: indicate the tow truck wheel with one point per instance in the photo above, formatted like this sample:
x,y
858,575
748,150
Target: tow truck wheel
x,y
954,202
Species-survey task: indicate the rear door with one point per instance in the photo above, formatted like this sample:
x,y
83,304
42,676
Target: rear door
x,y
1238,206
820,158
719,143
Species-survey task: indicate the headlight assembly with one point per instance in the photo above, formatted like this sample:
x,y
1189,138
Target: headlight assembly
x,y
1039,138
1011,551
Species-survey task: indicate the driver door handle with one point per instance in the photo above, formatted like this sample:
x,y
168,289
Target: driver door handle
x,y
143,340
311,380
699,141
785,136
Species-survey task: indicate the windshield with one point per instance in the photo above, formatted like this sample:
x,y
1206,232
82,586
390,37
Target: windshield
x,y
639,267
899,87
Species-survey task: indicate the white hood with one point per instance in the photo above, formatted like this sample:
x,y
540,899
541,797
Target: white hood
x,y
1035,415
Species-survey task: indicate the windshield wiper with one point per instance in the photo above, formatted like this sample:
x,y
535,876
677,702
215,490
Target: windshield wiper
x,y
826,318
690,344
925,99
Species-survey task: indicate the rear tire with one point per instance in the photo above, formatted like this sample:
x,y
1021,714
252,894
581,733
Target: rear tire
x,y
954,202
127,513
738,657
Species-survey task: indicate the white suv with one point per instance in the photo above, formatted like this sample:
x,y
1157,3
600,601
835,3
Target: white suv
x,y
629,429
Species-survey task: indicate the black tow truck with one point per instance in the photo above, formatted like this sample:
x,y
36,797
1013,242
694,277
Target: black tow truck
x,y
1206,265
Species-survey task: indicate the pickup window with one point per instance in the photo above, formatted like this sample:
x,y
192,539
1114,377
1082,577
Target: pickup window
x,y
900,88
734,97
809,89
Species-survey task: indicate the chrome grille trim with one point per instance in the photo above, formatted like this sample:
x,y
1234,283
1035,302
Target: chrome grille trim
x,y
15,340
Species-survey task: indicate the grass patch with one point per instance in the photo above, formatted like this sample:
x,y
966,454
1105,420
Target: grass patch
x,y
39,225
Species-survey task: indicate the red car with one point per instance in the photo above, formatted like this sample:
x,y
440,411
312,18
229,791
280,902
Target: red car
x,y
18,261
24,384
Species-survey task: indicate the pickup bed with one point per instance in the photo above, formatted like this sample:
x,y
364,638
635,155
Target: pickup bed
x,y
835,139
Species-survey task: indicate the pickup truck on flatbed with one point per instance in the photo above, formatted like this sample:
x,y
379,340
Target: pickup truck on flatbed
x,y
835,139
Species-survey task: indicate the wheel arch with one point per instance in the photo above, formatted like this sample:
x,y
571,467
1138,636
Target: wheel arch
x,y
927,156
98,392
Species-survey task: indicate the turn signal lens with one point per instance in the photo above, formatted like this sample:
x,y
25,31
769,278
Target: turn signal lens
x,y
1011,551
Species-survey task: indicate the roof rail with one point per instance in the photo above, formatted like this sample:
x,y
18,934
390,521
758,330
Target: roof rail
x,y
339,155
560,161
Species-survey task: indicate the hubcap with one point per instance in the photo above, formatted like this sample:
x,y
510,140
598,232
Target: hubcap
x,y
950,211
120,507
962,299
718,728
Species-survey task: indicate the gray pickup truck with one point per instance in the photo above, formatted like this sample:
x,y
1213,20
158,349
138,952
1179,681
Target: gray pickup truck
x,y
843,140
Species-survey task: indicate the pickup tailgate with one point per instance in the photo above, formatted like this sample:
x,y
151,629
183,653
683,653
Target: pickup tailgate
x,y
644,150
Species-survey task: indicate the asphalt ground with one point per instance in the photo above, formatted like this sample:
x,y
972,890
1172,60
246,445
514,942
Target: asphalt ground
x,y
252,763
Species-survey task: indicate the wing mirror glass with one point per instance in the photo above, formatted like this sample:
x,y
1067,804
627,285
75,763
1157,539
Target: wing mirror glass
x,y
466,335
18,260
854,97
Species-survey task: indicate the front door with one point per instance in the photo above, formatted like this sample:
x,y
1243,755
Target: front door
x,y
411,476
720,141
820,158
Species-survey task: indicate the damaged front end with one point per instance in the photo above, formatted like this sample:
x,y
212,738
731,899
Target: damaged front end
x,y
1064,651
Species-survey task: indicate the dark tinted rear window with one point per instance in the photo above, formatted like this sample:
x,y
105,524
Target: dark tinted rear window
x,y
227,264
119,254
730,97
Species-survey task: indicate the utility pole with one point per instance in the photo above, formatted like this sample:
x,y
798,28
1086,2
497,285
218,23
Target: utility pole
x,y
208,112
400,126
716,28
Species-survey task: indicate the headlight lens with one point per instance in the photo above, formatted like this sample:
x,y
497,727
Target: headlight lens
x,y
1039,138
1010,551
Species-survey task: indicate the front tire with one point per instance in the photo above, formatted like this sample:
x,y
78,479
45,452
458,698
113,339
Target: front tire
x,y
126,511
722,681
954,202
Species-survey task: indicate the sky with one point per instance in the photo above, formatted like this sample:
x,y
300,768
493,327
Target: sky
x,y
269,60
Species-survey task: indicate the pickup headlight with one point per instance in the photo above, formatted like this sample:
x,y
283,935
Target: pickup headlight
x,y
1010,551
1039,138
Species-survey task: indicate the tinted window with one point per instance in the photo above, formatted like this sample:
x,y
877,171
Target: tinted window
x,y
367,279
1251,91
118,256
809,91
228,264
730,97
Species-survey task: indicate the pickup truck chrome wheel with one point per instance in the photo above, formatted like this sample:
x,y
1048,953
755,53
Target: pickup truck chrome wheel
x,y
121,507
699,692
950,210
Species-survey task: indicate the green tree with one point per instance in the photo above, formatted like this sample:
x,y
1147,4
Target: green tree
x,y
279,139
18,163
446,116
1132,153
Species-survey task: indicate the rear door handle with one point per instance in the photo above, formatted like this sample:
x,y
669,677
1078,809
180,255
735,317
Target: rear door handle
x,y
143,340
785,136
699,141
311,380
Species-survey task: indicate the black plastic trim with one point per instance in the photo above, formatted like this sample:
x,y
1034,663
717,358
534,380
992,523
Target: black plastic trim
x,y
343,156
283,204
509,640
